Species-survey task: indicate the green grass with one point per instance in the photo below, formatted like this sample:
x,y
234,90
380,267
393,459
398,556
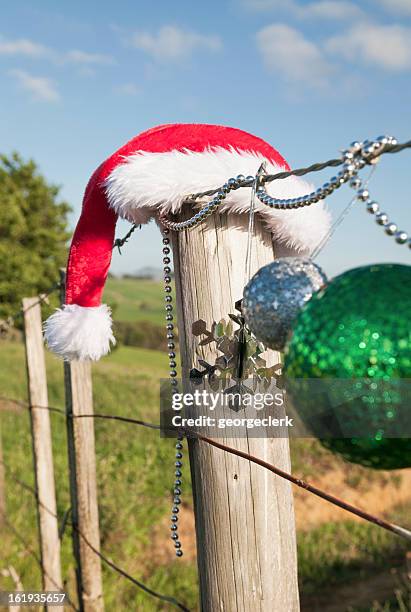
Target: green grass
x,y
134,474
135,300
335,553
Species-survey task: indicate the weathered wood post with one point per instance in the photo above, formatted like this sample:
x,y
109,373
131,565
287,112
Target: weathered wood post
x,y
83,482
42,447
245,527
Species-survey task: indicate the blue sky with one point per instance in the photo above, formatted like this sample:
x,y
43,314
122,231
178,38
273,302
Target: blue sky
x,y
79,79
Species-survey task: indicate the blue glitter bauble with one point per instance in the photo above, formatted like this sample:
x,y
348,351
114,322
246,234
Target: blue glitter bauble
x,y
275,295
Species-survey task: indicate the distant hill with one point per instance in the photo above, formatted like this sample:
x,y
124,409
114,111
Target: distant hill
x,y
147,273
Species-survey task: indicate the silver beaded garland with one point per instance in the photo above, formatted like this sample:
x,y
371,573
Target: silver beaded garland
x,y
211,207
381,218
401,237
275,295
173,374
363,195
372,207
354,158
390,229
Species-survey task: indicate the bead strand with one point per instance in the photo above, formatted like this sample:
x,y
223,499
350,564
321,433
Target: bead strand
x,y
173,375
354,158
381,218
349,170
210,207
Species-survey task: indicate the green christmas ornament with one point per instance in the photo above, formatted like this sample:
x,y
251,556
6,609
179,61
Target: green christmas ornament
x,y
348,362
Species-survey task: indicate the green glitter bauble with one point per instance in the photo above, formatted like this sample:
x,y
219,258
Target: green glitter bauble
x,y
347,362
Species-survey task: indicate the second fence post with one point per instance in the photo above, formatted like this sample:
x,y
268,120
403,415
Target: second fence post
x,y
83,482
42,446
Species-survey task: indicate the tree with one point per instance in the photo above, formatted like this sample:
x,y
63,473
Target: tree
x,y
33,232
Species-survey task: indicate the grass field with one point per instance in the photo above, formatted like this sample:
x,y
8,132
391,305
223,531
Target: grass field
x,y
344,565
133,300
134,470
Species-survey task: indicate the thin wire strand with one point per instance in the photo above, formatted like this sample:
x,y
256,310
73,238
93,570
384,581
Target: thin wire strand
x,y
251,216
123,573
316,167
30,489
400,531
114,417
250,233
324,241
115,567
36,558
42,297
120,242
118,418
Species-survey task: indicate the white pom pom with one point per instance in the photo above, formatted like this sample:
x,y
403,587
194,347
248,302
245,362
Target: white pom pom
x,y
79,332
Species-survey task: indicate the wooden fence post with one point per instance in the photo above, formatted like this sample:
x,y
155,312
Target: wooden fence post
x,y
244,516
42,447
83,482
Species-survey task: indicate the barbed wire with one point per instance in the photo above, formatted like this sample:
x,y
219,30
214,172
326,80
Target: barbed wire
x,y
400,531
189,433
316,167
268,178
139,584
61,411
119,570
6,324
42,297
120,242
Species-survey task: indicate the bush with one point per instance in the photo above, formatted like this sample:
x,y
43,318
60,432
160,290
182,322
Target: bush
x,y
143,334
33,233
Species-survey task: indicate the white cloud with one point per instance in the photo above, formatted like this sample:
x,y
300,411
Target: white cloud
x,y
403,7
22,46
41,88
287,52
128,89
86,59
385,46
28,48
330,9
171,43
321,9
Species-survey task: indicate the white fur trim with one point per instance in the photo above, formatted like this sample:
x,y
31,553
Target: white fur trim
x,y
79,332
150,183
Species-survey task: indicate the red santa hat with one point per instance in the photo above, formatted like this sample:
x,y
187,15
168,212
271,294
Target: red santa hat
x,y
150,175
